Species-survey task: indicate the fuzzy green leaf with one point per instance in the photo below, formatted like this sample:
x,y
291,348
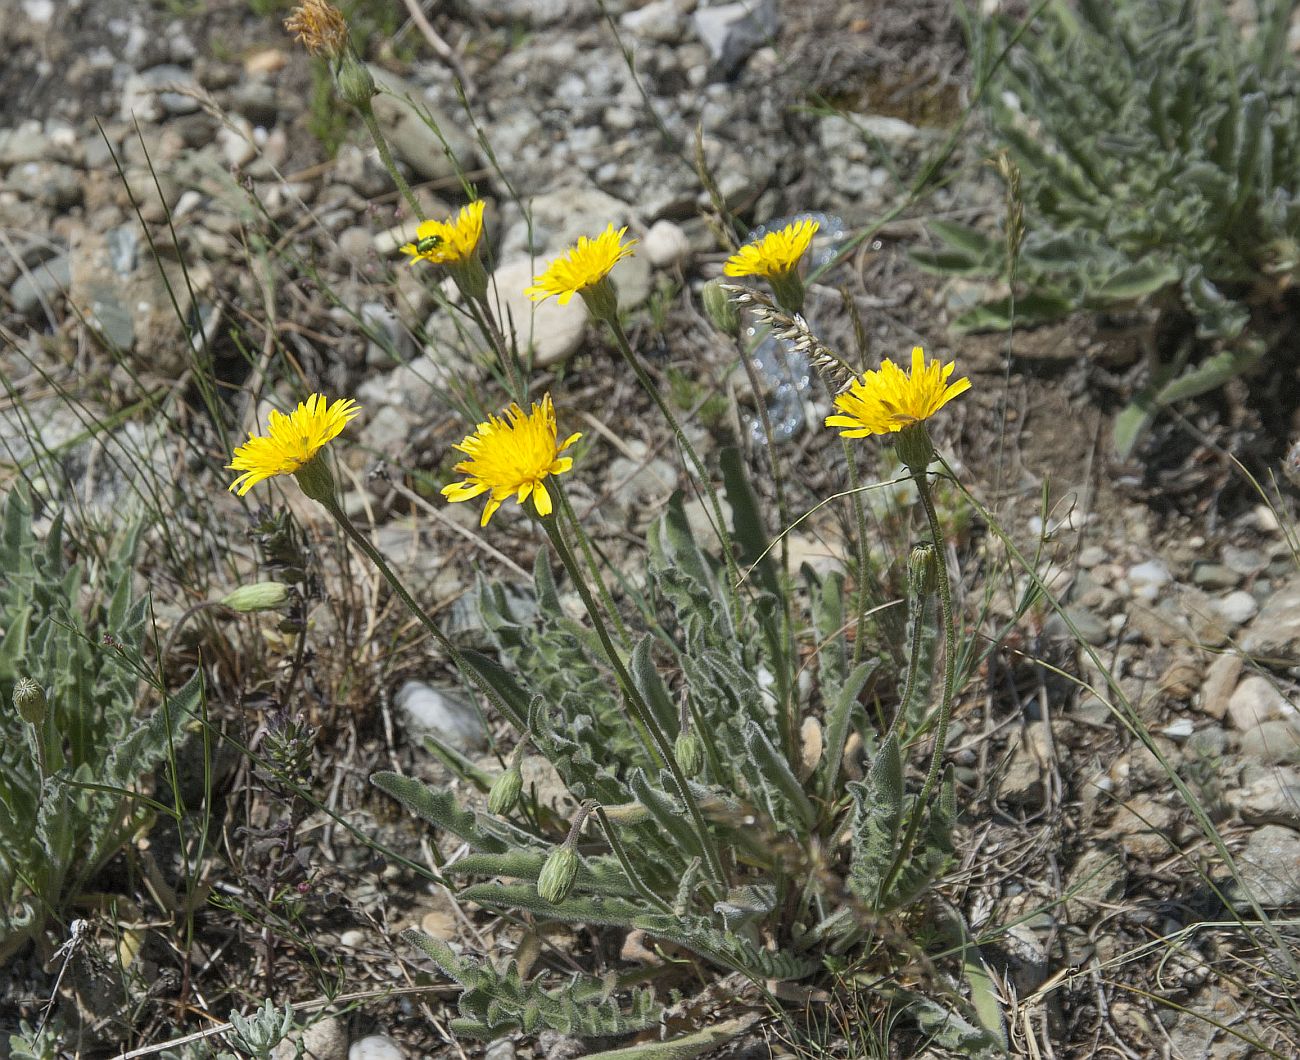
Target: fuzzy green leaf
x,y
439,808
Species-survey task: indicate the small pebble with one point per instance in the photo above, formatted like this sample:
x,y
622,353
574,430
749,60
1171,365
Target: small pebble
x,y
375,1047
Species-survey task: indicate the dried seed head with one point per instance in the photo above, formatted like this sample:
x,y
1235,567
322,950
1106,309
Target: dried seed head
x,y
320,28
834,370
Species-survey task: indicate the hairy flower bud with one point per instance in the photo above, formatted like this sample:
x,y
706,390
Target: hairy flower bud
x,y
257,596
720,309
29,701
689,752
505,791
558,874
355,82
923,570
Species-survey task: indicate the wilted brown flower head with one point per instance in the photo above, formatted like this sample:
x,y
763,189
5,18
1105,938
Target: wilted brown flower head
x,y
320,27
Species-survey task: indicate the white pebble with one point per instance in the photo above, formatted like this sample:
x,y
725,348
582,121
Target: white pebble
x,y
375,1047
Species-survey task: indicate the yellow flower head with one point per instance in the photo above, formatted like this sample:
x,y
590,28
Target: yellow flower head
x,y
292,440
776,255
448,242
886,401
512,456
320,27
583,265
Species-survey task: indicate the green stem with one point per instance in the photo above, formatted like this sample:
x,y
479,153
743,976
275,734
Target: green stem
x,y
643,377
949,685
588,554
481,311
367,113
633,877
860,518
790,729
661,750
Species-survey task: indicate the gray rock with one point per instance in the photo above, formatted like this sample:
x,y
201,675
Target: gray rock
x,y
386,431
387,341
637,482
1269,867
733,32
1237,608
1096,879
501,1049
663,21
1256,699
1022,783
441,713
1244,561
552,331
1214,576
1274,634
326,1039
1273,797
51,184
666,244
146,95
41,283
255,100
1208,743
375,1047
25,143
1091,556
1220,681
410,136
1272,742
1145,827
1147,580
1093,629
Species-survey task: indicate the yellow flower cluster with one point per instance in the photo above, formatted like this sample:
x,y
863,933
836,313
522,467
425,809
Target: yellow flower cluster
x,y
513,454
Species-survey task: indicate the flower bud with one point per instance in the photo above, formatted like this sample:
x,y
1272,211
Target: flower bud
x,y
505,791
689,752
558,874
259,596
923,570
29,701
355,82
720,309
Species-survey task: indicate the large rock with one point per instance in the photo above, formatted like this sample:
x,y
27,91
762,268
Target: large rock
x,y
403,121
1273,636
1269,867
552,331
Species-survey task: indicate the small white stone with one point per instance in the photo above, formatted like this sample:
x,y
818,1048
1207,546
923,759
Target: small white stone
x,y
440,712
1255,700
666,244
375,1047
1238,607
1147,579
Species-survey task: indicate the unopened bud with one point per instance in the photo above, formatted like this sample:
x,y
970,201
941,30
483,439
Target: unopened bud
x,y
689,752
558,874
355,82
259,596
29,701
923,570
720,309
505,791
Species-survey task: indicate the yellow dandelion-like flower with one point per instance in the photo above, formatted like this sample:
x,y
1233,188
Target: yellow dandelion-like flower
x,y
320,27
582,266
292,440
448,242
512,456
774,256
888,400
